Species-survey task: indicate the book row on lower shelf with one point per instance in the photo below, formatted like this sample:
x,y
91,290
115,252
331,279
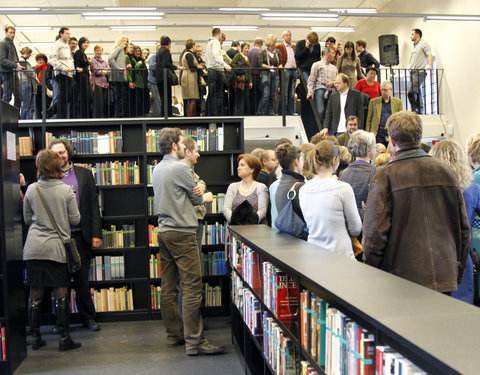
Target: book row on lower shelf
x,y
107,267
91,142
215,207
213,234
211,296
114,172
4,343
114,238
107,299
213,264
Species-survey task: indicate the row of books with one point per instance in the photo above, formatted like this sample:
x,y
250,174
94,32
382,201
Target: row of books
x,y
214,263
234,252
4,343
212,295
114,172
213,234
210,139
119,238
112,299
107,268
152,235
216,206
25,145
155,266
280,292
155,297
91,142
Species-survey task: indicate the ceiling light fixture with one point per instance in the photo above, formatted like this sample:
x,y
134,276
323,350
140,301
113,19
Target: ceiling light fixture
x,y
122,17
461,19
134,28
299,15
125,13
339,29
17,9
354,10
319,19
237,28
129,8
33,28
244,9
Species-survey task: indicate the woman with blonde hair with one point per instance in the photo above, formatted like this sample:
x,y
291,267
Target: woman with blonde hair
x,y
328,205
270,60
455,156
118,75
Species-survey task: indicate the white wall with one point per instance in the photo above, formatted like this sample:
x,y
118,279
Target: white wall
x,y
454,45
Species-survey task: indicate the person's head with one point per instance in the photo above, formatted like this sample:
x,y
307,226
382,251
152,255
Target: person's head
x,y
405,130
352,124
340,48
349,50
382,159
64,34
304,149
473,149
83,43
98,50
137,52
245,48
258,152
249,166
73,44
289,157
371,73
199,51
455,156
48,165
190,44
236,45
122,41
312,37
415,35
41,58
223,38
317,137
171,142
360,45
216,32
345,155
26,52
379,149
324,156
64,149
330,42
361,144
341,82
328,54
287,36
165,41
130,48
386,90
10,32
269,160
145,53
282,141
258,42
191,151
270,41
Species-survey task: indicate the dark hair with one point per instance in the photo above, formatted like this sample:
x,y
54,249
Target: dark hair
x,y
352,117
68,147
216,31
235,43
73,39
405,128
41,56
322,155
243,45
189,43
312,36
286,154
62,31
349,45
25,50
48,165
81,41
253,162
168,136
371,68
361,42
190,144
331,39
283,140
8,27
165,40
418,31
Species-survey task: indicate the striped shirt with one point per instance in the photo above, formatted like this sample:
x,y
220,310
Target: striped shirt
x,y
320,74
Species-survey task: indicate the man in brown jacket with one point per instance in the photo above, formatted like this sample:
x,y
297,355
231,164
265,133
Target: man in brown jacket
x,y
415,224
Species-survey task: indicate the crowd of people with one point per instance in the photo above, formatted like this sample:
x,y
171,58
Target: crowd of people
x,y
262,79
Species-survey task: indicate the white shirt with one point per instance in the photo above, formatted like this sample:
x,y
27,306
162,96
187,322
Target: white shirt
x,y
213,55
61,58
342,126
290,56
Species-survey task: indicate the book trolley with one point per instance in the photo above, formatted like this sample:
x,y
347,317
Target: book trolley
x,y
297,309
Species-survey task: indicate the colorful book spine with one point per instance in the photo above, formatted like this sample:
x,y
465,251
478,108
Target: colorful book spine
x,y
107,267
4,343
155,297
113,299
155,266
114,238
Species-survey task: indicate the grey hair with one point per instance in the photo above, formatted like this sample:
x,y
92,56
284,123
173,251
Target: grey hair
x,y
360,143
386,83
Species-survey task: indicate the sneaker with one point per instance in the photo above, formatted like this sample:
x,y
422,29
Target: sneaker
x,y
91,325
206,349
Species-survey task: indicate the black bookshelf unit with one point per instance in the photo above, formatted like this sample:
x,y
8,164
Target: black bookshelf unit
x,y
128,203
12,297
435,332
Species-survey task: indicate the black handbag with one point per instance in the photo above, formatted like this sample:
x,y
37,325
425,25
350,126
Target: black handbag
x,y
288,220
74,261
172,78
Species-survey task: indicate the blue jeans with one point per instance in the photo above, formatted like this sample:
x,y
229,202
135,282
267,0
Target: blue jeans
x,y
28,102
320,102
11,85
269,83
290,78
416,91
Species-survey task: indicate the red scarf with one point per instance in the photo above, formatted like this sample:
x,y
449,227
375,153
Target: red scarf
x,y
40,68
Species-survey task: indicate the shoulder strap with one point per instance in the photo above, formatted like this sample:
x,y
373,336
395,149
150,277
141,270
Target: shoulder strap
x,y
292,190
48,211
372,173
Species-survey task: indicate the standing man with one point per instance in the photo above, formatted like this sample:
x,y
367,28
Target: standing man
x,y
163,61
234,49
73,44
256,93
379,110
421,61
352,127
269,163
9,66
289,75
366,58
415,223
215,67
152,84
88,234
173,186
62,61
343,103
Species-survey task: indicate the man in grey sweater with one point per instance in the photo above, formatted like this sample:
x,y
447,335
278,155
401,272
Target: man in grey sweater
x,y
173,186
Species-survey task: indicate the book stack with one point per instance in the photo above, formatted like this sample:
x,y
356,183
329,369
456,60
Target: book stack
x,y
155,266
150,168
210,139
213,263
280,292
214,234
152,235
4,343
91,142
112,299
216,207
107,268
212,295
114,238
155,296
25,145
114,172
279,350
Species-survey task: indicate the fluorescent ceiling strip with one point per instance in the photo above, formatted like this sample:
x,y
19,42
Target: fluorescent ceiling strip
x,y
126,13
129,8
33,28
138,28
298,15
299,19
244,9
122,17
340,29
354,10
17,9
453,18
238,28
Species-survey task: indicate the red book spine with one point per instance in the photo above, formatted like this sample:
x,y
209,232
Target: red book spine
x,y
286,296
4,345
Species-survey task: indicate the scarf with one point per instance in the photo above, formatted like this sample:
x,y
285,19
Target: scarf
x,y
41,68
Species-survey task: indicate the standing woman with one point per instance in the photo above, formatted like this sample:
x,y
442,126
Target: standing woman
x,y
270,60
28,82
190,78
118,76
44,73
100,70
455,156
44,252
82,77
140,75
369,85
328,205
247,189
350,65
242,80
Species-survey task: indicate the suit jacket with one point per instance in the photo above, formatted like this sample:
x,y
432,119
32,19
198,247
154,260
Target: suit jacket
x,y
8,56
304,57
353,106
283,51
163,60
375,112
90,222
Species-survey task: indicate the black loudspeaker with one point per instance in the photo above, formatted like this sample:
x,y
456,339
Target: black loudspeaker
x,y
388,46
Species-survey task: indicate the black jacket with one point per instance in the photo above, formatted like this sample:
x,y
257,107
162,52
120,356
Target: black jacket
x,y
8,56
304,57
163,61
353,106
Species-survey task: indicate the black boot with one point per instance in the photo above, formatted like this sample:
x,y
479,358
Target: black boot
x,y
34,317
66,342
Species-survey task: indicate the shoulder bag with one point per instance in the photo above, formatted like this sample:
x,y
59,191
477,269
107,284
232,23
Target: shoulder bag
x,y
74,261
288,220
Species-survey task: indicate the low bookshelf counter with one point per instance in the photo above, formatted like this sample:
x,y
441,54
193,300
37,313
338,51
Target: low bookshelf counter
x,y
435,332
